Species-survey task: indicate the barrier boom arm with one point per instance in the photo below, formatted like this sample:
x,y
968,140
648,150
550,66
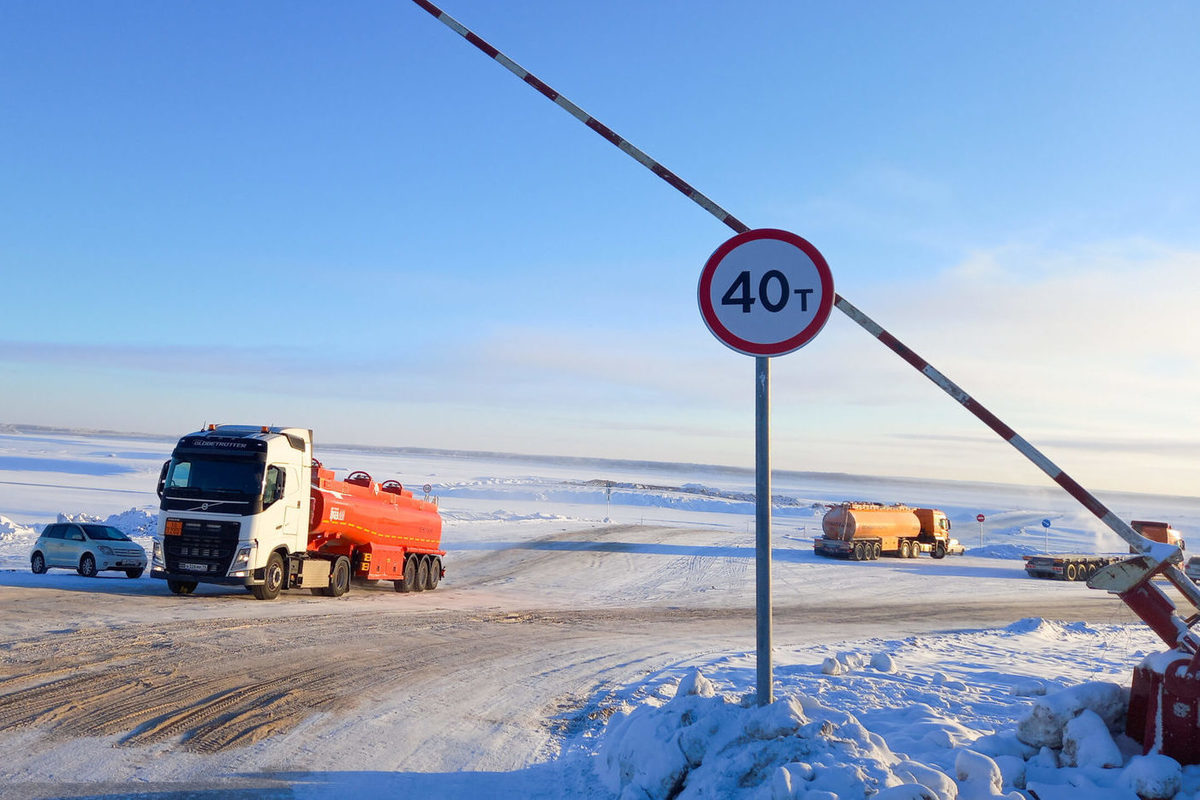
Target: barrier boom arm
x,y
1158,555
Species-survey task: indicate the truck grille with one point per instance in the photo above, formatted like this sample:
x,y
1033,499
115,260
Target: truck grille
x,y
204,547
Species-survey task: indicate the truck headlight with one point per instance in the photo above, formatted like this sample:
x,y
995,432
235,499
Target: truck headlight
x,y
157,555
238,569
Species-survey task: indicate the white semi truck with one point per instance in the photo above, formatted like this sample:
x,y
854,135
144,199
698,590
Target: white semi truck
x,y
249,505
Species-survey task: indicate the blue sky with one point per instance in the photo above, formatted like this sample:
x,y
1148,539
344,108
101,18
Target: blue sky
x,y
345,217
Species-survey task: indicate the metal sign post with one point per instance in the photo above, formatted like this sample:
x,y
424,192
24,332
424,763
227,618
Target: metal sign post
x,y
762,530
765,293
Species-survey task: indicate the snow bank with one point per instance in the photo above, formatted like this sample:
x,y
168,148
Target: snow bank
x,y
134,522
704,744
887,728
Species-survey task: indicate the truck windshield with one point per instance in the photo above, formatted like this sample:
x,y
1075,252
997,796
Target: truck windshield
x,y
234,478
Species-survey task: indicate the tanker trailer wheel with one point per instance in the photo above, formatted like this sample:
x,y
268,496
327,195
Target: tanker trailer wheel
x,y
876,551
1071,573
410,576
422,574
905,549
272,579
435,574
339,579
859,552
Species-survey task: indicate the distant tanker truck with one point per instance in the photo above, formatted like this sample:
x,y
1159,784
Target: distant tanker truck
x,y
865,531
250,506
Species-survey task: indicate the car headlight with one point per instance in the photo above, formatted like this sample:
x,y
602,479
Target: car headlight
x,y
103,548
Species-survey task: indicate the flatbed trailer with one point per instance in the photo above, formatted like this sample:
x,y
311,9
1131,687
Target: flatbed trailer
x,y
1067,566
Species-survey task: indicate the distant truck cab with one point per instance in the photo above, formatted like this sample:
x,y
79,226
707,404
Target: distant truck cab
x,y
1157,532
250,506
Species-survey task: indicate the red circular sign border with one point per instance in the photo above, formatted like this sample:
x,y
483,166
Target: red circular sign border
x,y
791,344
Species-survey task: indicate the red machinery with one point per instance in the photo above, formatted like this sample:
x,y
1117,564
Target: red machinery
x,y
1164,702
385,532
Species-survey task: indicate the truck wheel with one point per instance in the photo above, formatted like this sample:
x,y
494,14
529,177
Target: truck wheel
x,y
181,587
905,549
422,574
87,565
37,563
1070,573
272,579
339,579
939,550
410,576
435,573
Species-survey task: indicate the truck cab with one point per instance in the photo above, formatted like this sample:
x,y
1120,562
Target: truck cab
x,y
230,497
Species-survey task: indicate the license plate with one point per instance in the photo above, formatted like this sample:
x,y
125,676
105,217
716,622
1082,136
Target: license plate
x,y
193,567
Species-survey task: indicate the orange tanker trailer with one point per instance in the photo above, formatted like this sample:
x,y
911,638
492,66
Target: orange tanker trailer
x,y
865,531
385,532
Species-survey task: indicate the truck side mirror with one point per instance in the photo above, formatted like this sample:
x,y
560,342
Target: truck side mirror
x,y
162,478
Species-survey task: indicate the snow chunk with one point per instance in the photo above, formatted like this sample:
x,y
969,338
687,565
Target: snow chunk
x,y
1012,771
1003,744
831,666
1087,743
938,782
1153,777
978,775
883,662
907,791
1042,725
1029,688
695,683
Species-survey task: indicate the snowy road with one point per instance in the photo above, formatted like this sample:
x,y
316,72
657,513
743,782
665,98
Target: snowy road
x,y
551,620
498,661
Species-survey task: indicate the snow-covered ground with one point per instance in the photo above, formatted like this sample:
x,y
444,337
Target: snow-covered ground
x,y
969,712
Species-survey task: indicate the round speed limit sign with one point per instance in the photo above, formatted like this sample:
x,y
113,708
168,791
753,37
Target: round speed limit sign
x,y
766,292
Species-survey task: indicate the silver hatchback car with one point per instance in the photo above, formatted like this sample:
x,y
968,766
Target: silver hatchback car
x,y
87,548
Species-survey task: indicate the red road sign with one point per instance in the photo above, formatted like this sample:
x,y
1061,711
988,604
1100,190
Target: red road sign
x,y
979,518
766,292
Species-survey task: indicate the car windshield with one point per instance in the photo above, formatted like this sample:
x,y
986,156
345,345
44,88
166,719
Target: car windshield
x,y
104,533
214,477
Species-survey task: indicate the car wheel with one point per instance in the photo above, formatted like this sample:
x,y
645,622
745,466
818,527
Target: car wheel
x,y
37,563
136,572
87,565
